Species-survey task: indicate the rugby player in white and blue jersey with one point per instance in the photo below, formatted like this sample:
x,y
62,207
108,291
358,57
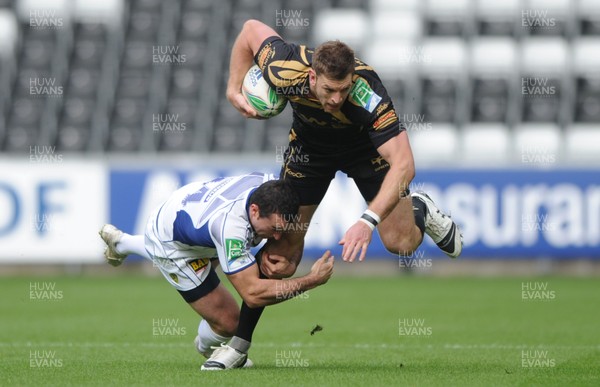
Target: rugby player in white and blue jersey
x,y
203,225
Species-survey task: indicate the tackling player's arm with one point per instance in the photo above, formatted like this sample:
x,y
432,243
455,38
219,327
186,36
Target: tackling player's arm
x,y
276,266
246,45
258,292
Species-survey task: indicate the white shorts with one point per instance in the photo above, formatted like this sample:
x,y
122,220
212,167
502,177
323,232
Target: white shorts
x,y
185,269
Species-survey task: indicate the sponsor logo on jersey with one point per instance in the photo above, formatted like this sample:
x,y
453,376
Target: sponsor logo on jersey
x,y
199,264
174,278
234,248
264,55
385,120
380,162
381,108
297,175
364,96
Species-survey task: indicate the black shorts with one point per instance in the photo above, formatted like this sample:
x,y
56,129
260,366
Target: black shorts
x,y
310,170
208,285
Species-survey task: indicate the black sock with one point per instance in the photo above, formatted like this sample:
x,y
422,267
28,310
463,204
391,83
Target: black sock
x,y
249,316
420,210
248,320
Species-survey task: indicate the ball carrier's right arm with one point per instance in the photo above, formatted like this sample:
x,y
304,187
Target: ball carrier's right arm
x,y
242,58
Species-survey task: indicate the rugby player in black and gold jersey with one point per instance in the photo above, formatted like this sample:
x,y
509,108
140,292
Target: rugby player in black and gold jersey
x,y
343,120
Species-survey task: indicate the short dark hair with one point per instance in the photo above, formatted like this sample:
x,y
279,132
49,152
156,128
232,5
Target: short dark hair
x,y
276,197
333,59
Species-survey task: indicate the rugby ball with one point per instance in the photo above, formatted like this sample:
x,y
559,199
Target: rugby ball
x,y
262,97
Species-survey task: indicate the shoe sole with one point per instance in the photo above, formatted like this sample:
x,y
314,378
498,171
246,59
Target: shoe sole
x,y
214,366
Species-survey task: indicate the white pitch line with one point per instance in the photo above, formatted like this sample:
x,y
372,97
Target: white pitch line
x,y
159,344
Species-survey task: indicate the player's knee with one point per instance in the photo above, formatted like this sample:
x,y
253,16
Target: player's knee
x,y
399,249
399,246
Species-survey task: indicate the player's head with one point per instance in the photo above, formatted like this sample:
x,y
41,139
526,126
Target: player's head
x,y
331,74
273,205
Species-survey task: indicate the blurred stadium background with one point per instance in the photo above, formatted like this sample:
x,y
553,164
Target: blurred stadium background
x,y
106,106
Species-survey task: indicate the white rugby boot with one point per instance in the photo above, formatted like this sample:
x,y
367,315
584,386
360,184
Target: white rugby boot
x,y
111,236
225,358
440,227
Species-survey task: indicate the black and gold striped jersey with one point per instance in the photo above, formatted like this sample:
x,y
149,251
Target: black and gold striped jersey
x,y
367,113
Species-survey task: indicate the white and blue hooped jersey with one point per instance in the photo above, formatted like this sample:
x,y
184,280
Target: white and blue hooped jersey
x,y
208,220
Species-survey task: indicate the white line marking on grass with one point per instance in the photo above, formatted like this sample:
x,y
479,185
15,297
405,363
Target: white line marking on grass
x,y
449,346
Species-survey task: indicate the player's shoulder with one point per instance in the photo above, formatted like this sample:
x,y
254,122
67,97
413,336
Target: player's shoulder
x,y
284,65
365,71
367,90
274,48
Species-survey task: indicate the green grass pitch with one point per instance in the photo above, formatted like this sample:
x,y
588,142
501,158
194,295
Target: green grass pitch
x,y
416,331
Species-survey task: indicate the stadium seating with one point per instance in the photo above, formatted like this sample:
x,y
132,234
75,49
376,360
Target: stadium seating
x,y
493,61
496,18
540,144
486,144
437,143
331,25
583,144
506,73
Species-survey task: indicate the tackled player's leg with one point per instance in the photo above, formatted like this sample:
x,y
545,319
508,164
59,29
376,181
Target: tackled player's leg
x,y
399,231
402,230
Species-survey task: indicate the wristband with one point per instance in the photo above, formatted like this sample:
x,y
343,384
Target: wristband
x,y
373,216
371,225
370,218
